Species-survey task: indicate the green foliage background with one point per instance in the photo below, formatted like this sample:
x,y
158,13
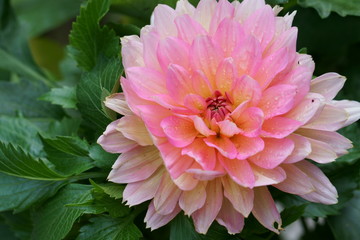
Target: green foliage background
x,y
52,84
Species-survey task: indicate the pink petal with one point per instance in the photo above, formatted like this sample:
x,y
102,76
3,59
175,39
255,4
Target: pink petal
x,y
261,25
138,192
117,103
150,39
286,40
279,127
296,182
271,66
188,29
237,112
277,100
114,141
164,17
178,82
239,170
166,196
246,89
134,128
180,131
173,50
301,150
324,192
328,85
155,220
202,153
246,8
135,165
247,146
307,108
241,198
225,76
186,182
201,84
351,107
205,56
250,122
195,103
228,35
175,163
228,128
152,121
146,82
337,142
184,7
201,126
247,56
274,153
230,218
265,210
331,118
223,10
265,177
132,52
321,152
204,12
207,214
223,145
190,201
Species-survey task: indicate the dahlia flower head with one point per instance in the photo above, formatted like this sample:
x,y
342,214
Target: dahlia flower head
x,y
217,105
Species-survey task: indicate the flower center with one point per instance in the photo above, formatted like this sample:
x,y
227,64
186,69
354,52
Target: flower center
x,y
218,106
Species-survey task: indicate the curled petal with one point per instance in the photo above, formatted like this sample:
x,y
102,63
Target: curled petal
x,y
301,150
230,218
265,210
202,153
166,196
247,146
133,128
180,132
223,144
164,17
250,122
186,182
117,103
192,200
188,29
351,107
324,192
239,170
132,51
265,177
242,198
328,85
279,127
207,214
114,141
204,12
155,220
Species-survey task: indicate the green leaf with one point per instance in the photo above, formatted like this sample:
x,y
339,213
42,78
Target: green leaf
x,y
65,97
68,144
324,7
64,127
102,158
22,132
22,97
15,162
88,40
20,224
21,193
54,220
104,227
291,214
346,225
182,228
33,13
90,93
112,189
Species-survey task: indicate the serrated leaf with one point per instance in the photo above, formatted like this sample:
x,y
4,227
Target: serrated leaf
x,y
54,220
325,7
64,127
15,162
21,132
103,227
90,92
21,193
88,40
22,97
69,144
65,97
346,225
112,189
102,158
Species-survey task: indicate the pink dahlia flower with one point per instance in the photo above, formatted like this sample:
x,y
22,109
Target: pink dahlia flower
x,y
217,106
